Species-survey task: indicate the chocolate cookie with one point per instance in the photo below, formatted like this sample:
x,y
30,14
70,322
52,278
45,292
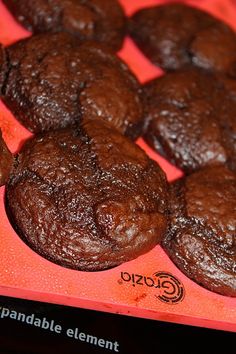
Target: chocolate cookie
x,y
190,118
6,161
88,198
176,35
99,20
54,82
202,233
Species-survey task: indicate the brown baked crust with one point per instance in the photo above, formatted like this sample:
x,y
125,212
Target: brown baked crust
x,y
6,161
201,236
176,35
87,199
190,118
54,81
99,20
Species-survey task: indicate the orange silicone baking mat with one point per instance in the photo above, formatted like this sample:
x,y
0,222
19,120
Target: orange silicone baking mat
x,y
150,286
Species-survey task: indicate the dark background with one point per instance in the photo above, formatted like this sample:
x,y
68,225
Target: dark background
x,y
135,335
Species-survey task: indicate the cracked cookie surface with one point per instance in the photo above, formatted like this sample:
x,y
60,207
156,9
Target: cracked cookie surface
x,y
176,35
202,232
88,198
53,82
99,20
190,118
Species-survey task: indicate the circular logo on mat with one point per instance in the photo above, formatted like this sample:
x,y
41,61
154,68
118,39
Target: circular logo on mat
x,y
171,290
